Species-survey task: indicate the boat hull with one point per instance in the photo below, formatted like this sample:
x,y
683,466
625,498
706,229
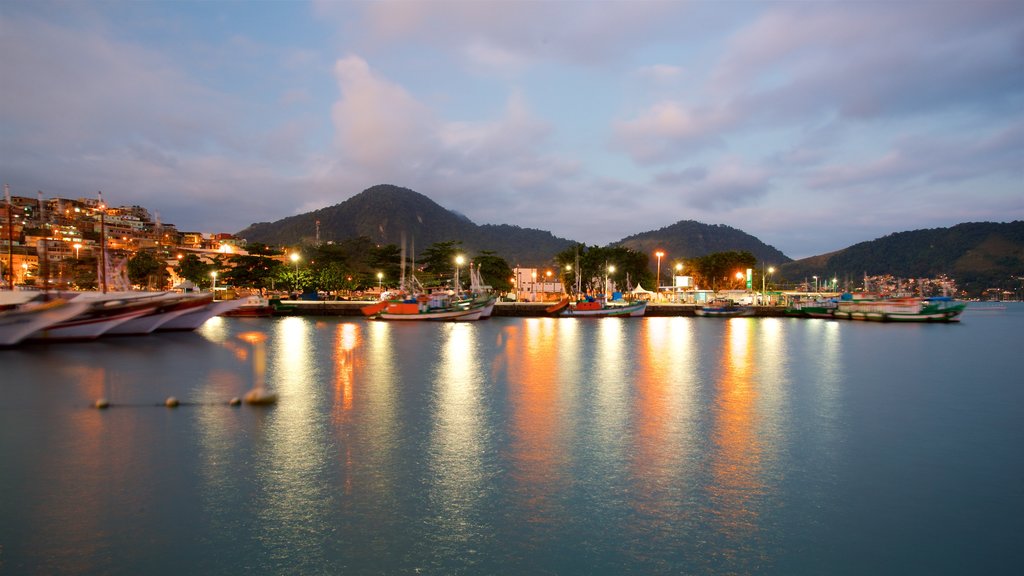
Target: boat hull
x,y
18,324
629,311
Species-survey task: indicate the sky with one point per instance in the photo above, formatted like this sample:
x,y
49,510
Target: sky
x,y
810,125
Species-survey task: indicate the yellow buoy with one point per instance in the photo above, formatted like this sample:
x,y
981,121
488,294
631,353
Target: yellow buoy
x,y
102,404
260,397
171,402
235,401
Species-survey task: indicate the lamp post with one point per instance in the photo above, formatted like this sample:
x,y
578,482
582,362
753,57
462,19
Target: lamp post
x,y
739,276
657,282
214,287
380,277
607,290
459,260
771,270
295,261
815,284
77,246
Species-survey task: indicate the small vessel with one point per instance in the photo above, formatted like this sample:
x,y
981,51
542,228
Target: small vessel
x,y
934,309
812,308
723,309
598,308
253,306
438,306
193,319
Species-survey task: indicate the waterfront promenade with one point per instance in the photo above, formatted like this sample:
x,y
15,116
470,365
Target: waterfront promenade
x,y
516,309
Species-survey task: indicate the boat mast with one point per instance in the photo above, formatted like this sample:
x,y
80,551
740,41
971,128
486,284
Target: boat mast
x,y
103,243
10,240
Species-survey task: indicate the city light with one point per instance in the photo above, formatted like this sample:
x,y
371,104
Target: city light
x,y
657,282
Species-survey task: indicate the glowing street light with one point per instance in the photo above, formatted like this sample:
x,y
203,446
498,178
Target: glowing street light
x,y
380,277
815,283
214,287
459,261
657,283
771,270
611,270
295,261
77,246
739,276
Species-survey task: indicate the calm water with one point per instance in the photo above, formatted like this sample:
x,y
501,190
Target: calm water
x,y
521,446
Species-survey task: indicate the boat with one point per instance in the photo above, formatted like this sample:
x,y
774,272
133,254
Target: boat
x,y
812,308
194,319
723,309
170,307
253,306
597,308
915,309
438,306
21,317
103,312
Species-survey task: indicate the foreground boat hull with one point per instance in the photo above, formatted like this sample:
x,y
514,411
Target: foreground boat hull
x,y
632,310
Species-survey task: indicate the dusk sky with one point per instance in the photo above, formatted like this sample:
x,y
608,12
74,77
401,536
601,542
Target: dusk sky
x,y
811,125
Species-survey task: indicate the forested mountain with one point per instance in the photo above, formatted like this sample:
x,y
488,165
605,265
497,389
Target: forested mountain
x,y
978,255
690,239
384,213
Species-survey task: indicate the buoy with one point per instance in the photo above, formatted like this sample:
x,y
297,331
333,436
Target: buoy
x,y
260,397
171,402
102,404
235,401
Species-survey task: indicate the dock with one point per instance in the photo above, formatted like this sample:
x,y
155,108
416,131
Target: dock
x,y
509,309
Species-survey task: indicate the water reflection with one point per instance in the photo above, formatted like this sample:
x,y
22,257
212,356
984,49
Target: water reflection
x,y
736,488
536,430
458,439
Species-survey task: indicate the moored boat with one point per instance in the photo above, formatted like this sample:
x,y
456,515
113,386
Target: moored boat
x,y
600,309
193,319
812,308
406,311
252,307
170,307
723,309
936,309
102,313
19,321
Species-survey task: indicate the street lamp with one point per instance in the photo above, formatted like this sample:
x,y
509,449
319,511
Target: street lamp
x,y
739,276
295,260
77,246
214,287
607,290
657,282
380,277
815,284
459,260
771,270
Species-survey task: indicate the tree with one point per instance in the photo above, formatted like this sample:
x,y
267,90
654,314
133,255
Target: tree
x,y
145,268
592,265
196,271
719,268
494,270
251,271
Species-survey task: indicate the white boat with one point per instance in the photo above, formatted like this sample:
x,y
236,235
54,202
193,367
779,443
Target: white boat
x,y
406,311
195,318
19,321
723,309
102,313
170,307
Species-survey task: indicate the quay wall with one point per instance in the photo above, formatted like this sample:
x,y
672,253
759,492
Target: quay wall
x,y
516,309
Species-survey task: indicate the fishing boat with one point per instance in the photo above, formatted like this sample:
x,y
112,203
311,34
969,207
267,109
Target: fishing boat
x,y
723,309
812,308
438,306
597,308
935,309
23,314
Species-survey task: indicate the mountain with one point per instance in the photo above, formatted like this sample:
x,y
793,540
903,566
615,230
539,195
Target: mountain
x,y
689,239
384,213
978,255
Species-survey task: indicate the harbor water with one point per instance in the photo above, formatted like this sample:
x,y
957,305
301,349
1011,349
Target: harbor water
x,y
520,446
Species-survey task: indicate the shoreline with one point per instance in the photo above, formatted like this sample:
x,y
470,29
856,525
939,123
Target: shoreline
x,y
507,309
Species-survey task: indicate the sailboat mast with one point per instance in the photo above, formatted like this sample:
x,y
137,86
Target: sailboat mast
x,y
10,239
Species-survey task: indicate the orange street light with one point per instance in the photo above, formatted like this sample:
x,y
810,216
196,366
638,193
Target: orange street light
x,y
657,282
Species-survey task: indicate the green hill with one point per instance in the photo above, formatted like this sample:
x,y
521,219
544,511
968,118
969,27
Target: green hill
x,y
384,213
978,255
689,239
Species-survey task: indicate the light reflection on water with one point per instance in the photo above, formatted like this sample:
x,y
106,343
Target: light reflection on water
x,y
661,445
